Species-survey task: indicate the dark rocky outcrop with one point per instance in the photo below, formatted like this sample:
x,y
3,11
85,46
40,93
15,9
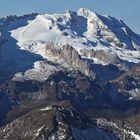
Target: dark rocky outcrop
x,y
105,56
71,56
128,84
57,123
83,93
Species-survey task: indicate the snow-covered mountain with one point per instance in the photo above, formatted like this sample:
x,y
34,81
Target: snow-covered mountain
x,y
101,39
79,57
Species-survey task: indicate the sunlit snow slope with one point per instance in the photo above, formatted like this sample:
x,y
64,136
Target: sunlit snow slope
x,y
23,41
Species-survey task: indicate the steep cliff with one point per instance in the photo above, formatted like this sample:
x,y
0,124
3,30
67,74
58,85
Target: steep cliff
x,y
71,56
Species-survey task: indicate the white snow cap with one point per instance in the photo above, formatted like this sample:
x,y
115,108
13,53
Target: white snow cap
x,y
84,30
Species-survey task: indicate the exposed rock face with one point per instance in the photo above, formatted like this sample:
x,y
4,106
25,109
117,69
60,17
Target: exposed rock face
x,y
71,56
55,123
112,30
61,122
105,56
22,97
129,83
59,86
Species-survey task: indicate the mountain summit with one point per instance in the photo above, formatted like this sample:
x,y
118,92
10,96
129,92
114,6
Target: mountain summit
x,y
73,66
101,39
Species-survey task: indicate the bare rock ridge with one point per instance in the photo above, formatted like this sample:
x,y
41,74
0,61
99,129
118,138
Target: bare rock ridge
x,y
62,123
106,56
56,123
71,56
114,31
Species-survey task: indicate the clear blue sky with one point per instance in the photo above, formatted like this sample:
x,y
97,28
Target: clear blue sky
x,y
127,10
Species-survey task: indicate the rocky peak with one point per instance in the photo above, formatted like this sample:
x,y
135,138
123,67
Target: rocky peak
x,y
56,123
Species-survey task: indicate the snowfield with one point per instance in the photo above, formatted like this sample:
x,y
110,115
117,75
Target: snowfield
x,y
84,30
